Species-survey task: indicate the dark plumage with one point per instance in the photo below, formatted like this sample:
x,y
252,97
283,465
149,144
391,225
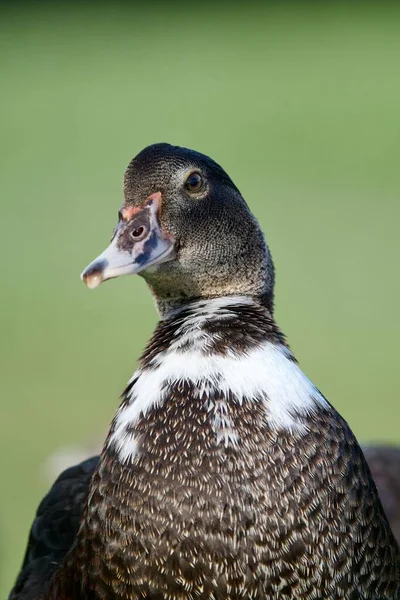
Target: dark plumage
x,y
54,530
51,537
226,474
384,462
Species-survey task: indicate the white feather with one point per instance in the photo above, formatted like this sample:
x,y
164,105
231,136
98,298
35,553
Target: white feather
x,y
222,424
265,372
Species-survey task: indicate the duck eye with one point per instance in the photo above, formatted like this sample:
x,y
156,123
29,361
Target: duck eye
x,y
138,233
194,183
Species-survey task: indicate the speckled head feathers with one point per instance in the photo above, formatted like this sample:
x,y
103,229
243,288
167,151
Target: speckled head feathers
x,y
210,243
155,166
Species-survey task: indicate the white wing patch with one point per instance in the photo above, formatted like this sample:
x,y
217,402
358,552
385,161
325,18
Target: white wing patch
x,y
265,372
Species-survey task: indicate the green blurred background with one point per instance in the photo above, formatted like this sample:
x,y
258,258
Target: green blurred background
x,y
299,102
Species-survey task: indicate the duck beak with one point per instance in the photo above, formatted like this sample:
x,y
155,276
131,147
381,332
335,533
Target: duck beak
x,y
139,242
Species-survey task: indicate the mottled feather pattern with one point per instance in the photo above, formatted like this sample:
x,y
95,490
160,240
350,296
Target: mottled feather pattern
x,y
278,515
260,368
234,323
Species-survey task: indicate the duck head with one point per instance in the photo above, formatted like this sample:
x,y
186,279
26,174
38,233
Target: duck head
x,y
186,229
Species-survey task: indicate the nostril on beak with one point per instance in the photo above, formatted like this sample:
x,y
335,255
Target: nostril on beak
x,y
93,274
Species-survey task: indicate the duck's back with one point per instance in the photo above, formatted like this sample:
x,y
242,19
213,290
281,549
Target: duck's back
x,y
384,462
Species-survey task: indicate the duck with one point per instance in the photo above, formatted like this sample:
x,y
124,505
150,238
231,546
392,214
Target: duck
x,y
225,474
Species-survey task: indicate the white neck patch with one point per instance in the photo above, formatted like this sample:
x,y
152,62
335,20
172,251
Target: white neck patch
x,y
265,372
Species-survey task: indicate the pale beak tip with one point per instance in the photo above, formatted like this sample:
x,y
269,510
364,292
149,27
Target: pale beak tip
x,y
93,275
93,282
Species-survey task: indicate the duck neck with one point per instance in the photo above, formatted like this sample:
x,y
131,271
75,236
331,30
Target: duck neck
x,y
213,325
170,307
